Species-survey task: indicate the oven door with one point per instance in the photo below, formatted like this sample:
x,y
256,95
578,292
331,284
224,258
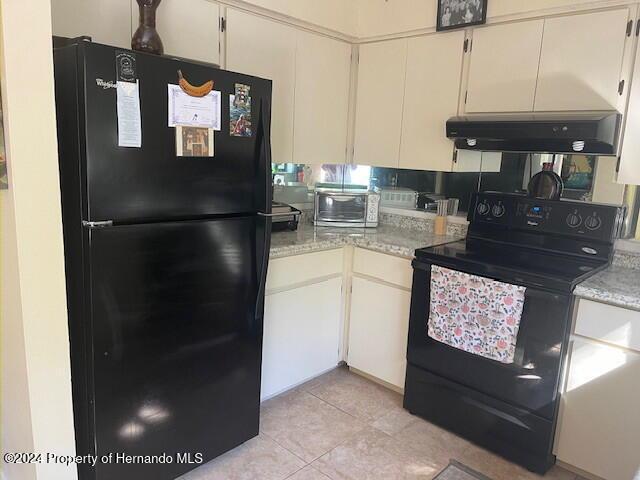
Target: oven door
x,y
341,208
531,382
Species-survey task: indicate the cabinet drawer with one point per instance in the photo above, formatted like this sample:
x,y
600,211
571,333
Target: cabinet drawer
x,y
287,271
385,267
610,324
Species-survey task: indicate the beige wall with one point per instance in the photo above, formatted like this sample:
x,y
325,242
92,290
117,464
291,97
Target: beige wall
x,y
36,386
14,399
370,18
385,17
338,15
107,21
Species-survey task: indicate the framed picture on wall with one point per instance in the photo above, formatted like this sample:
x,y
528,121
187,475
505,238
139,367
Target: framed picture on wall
x,y
461,13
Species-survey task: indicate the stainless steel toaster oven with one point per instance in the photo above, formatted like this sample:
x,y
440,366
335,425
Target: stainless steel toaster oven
x,y
346,208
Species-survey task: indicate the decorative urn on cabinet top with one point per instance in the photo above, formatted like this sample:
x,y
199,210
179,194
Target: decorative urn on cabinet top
x,y
146,38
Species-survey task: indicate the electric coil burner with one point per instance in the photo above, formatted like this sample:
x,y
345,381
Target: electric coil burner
x,y
547,246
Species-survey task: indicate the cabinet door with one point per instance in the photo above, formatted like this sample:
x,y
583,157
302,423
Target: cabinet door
x,y
476,161
504,67
105,21
188,28
381,72
267,49
378,330
432,89
301,335
323,67
581,61
629,169
599,428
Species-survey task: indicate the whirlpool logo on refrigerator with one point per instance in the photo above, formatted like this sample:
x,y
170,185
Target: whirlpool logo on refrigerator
x,y
105,84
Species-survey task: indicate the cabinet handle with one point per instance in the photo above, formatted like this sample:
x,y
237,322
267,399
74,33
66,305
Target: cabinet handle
x,y
621,87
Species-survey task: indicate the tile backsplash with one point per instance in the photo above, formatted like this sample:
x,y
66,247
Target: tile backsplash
x,y
425,224
626,259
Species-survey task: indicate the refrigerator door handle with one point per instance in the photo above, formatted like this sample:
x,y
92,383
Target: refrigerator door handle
x,y
101,224
264,164
271,215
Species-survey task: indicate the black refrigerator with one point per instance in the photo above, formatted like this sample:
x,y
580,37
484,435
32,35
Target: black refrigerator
x,y
166,259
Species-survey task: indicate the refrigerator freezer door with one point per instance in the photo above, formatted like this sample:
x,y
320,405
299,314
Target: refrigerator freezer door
x,y
177,332
151,182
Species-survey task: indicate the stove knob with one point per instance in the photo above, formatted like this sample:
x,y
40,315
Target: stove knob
x,y
498,210
574,220
593,222
482,208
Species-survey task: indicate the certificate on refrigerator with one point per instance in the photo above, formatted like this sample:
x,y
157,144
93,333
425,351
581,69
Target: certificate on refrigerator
x,y
188,111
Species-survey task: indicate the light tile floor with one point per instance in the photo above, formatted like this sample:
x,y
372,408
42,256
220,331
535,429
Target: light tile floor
x,y
341,426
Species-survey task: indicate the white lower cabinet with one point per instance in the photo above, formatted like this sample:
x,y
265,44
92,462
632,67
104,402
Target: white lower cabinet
x,y
301,335
304,326
599,426
378,329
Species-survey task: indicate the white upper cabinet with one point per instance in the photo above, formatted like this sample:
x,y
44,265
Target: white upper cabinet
x,y
629,169
581,62
188,28
267,49
477,161
504,67
381,76
323,68
432,89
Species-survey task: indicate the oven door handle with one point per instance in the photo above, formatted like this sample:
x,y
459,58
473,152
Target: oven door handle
x,y
345,198
340,219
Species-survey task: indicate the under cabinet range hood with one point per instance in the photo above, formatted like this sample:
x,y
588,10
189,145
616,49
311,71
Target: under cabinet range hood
x,y
581,133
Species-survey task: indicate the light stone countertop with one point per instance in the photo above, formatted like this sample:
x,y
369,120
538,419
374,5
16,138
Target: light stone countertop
x,y
617,285
384,239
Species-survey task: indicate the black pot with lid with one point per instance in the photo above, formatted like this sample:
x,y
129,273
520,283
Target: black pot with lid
x,y
546,184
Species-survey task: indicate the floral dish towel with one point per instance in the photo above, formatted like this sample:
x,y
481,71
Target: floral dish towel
x,y
475,314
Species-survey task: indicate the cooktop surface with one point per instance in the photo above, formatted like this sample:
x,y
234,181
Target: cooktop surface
x,y
512,264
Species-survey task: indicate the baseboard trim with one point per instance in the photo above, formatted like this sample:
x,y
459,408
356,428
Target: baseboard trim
x,y
380,382
584,474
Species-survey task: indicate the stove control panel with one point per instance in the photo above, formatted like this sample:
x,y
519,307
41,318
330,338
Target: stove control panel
x,y
590,221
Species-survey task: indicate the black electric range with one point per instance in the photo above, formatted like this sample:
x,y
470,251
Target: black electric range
x,y
546,246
